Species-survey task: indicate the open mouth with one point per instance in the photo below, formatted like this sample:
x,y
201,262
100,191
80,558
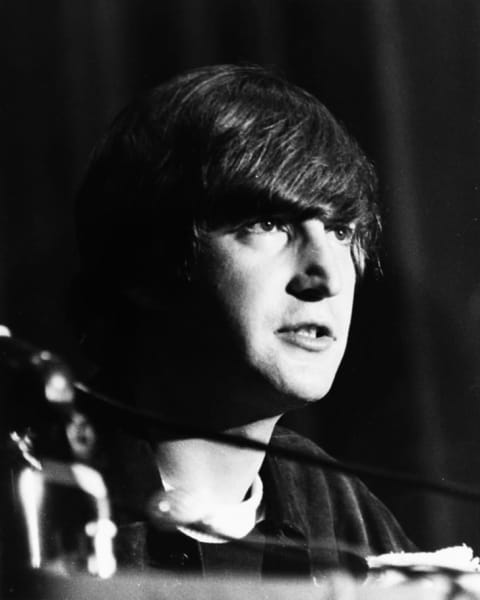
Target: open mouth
x,y
309,330
312,331
307,336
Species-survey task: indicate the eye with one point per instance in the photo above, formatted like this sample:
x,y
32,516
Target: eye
x,y
264,226
344,233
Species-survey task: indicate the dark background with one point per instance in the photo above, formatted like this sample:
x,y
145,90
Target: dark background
x,y
404,76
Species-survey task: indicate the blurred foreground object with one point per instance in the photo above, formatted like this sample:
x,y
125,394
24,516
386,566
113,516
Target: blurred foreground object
x,y
455,568
55,513
163,585
455,558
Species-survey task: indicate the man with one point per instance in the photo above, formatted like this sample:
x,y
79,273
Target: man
x,y
223,223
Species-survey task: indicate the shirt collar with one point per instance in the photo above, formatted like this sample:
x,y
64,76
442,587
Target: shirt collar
x,y
135,478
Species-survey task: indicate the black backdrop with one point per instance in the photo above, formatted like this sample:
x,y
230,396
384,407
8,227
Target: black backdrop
x,y
404,76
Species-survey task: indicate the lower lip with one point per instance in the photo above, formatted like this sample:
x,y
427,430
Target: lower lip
x,y
311,344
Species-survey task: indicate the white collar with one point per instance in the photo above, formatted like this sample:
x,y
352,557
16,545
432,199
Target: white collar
x,y
228,521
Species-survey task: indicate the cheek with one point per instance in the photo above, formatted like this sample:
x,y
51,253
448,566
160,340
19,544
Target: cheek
x,y
227,295
245,306
236,281
344,302
243,298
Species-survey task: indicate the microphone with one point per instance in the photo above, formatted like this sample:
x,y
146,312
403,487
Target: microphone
x,y
22,357
36,401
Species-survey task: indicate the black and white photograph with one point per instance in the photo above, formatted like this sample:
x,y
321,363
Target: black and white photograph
x,y
240,299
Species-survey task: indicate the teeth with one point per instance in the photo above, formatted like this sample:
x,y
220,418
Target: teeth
x,y
310,332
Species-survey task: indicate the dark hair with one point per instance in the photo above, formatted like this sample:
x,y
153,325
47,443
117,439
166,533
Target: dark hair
x,y
216,145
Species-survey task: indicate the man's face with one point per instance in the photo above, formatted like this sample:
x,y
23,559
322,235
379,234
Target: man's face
x,y
283,292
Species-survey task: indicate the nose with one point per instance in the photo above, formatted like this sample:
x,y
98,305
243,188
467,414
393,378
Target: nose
x,y
317,272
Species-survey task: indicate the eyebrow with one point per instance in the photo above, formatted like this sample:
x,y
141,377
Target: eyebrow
x,y
243,205
240,207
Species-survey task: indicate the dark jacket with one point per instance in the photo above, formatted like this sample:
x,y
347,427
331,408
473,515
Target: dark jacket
x,y
315,519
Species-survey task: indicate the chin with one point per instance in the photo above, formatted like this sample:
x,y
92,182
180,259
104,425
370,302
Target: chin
x,y
301,391
310,382
307,395
285,386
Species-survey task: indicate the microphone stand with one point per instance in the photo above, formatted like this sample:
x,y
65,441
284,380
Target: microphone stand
x,y
36,402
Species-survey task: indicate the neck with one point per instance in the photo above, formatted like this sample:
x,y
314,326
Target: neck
x,y
219,471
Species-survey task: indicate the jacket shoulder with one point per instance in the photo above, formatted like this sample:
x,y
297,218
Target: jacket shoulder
x,y
358,516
